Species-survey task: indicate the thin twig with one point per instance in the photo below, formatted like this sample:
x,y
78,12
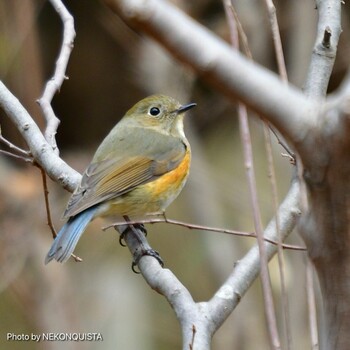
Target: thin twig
x,y
264,270
277,43
48,210
283,144
248,53
12,146
55,83
237,33
47,203
292,160
311,303
193,336
201,227
13,155
17,153
284,295
250,173
283,74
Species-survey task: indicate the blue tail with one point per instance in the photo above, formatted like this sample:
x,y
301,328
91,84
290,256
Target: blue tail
x,y
68,237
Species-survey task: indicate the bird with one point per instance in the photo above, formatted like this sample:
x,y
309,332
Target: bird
x,y
139,169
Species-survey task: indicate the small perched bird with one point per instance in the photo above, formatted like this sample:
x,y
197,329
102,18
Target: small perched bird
x,y
139,169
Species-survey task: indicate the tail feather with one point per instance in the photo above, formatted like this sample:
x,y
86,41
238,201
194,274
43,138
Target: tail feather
x,y
69,235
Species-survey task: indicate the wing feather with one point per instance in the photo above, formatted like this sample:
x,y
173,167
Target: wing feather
x,y
110,178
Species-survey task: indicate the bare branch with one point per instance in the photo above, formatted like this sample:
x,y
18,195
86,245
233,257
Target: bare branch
x,y
248,53
264,270
272,176
325,227
325,48
14,155
55,83
281,262
248,156
277,40
13,147
247,269
17,152
311,303
201,227
47,203
166,283
193,335
214,60
207,317
291,155
41,151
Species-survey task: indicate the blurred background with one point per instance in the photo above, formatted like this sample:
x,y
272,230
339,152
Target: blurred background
x,y
110,69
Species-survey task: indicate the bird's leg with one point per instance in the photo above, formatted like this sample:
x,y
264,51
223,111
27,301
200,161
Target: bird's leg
x,y
122,229
143,248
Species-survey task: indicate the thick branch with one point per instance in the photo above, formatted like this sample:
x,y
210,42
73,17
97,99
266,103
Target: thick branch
x,y
190,314
325,227
325,48
207,317
214,60
245,272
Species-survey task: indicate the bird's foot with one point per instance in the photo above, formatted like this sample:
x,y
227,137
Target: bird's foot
x,y
139,253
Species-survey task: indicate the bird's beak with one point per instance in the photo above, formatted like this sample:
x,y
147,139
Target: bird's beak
x,y
185,108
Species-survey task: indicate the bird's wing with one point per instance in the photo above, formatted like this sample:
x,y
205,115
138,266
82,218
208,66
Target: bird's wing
x,y
111,177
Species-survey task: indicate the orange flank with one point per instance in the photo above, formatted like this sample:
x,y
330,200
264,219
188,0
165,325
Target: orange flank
x,y
173,180
152,197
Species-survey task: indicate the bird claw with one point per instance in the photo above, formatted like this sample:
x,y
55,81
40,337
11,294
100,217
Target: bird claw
x,y
121,239
143,249
139,254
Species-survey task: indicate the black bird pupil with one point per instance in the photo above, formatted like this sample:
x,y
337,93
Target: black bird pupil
x,y
154,111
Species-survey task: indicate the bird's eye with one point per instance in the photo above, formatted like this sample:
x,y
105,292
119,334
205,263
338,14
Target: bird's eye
x,y
154,111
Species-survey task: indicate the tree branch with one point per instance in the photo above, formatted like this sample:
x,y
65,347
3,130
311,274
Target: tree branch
x,y
199,321
247,269
191,226
41,151
325,48
264,270
325,227
166,283
277,42
55,83
207,317
215,61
